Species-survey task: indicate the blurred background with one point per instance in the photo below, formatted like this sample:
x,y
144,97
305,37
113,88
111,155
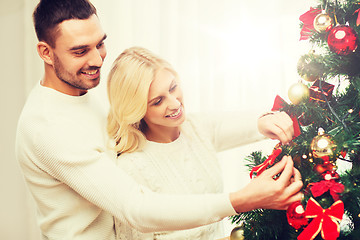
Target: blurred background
x,y
230,55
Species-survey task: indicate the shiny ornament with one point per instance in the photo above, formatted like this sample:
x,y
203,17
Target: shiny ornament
x,y
309,77
322,94
308,23
237,233
298,93
323,22
309,67
324,168
323,146
296,215
342,40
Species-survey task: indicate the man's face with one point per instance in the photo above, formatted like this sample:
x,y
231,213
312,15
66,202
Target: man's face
x,y
79,54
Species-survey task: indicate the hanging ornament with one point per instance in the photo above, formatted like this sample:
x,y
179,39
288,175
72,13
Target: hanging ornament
x,y
296,215
323,146
310,67
323,22
330,175
342,40
320,95
308,19
324,168
298,93
237,233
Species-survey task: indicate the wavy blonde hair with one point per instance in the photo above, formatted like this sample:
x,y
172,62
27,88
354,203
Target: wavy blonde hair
x,y
128,86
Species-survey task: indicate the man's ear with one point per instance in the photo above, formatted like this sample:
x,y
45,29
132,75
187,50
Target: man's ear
x,y
45,52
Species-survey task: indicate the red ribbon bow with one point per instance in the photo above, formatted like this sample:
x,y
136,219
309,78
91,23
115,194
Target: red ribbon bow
x,y
269,161
335,188
278,104
325,220
308,23
358,17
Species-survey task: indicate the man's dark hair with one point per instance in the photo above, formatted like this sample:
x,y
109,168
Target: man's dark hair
x,y
49,13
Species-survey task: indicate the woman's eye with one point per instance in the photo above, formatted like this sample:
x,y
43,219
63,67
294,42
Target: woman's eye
x,y
173,88
157,102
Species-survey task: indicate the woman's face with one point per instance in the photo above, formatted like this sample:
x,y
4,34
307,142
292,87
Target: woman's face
x,y
165,103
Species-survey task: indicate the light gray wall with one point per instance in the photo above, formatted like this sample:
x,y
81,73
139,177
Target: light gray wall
x,y
16,222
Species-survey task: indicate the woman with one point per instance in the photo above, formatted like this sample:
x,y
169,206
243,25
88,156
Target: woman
x,y
161,147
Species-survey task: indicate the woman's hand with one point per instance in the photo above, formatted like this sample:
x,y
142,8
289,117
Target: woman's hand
x,y
276,125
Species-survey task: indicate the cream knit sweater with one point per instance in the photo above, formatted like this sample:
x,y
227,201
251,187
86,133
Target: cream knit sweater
x,y
188,165
76,184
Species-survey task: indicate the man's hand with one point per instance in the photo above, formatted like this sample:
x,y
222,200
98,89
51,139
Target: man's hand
x,y
267,192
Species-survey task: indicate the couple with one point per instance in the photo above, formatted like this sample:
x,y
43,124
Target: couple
x,y
161,176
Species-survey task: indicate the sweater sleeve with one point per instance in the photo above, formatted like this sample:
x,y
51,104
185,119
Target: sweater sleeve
x,y
92,173
231,129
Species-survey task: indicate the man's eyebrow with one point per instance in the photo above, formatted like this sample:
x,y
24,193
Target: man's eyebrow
x,y
85,46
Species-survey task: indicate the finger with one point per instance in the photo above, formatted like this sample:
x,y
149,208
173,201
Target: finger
x,y
297,175
280,134
285,123
276,169
288,171
296,197
293,188
288,124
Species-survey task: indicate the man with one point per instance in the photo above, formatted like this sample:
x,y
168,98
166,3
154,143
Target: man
x,y
61,146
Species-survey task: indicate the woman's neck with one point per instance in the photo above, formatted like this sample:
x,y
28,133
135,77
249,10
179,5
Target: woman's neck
x,y
162,135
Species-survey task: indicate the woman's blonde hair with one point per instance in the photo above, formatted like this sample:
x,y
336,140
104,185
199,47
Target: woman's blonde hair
x,y
128,86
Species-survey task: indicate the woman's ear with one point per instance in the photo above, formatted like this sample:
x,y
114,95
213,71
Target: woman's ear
x,y
45,52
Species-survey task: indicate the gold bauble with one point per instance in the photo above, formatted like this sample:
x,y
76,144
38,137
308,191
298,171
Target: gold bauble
x,y
309,77
237,233
298,93
323,145
322,22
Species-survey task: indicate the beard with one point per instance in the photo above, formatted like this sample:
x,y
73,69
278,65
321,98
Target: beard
x,y
72,79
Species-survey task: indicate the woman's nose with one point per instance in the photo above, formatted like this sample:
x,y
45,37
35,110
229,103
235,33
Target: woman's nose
x,y
174,102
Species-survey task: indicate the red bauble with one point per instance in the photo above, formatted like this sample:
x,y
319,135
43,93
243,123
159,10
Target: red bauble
x,y
296,215
342,40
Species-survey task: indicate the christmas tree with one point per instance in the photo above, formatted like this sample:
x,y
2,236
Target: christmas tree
x,y
325,108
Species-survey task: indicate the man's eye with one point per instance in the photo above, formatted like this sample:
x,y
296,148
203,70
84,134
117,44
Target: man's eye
x,y
79,53
100,45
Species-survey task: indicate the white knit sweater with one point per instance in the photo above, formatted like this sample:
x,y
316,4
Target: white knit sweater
x,y
188,165
76,184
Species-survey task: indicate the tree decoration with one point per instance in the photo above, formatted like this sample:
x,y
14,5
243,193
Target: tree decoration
x,y
331,186
308,23
296,215
237,233
342,40
323,146
323,22
330,208
326,221
298,93
321,94
322,168
358,17
309,67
